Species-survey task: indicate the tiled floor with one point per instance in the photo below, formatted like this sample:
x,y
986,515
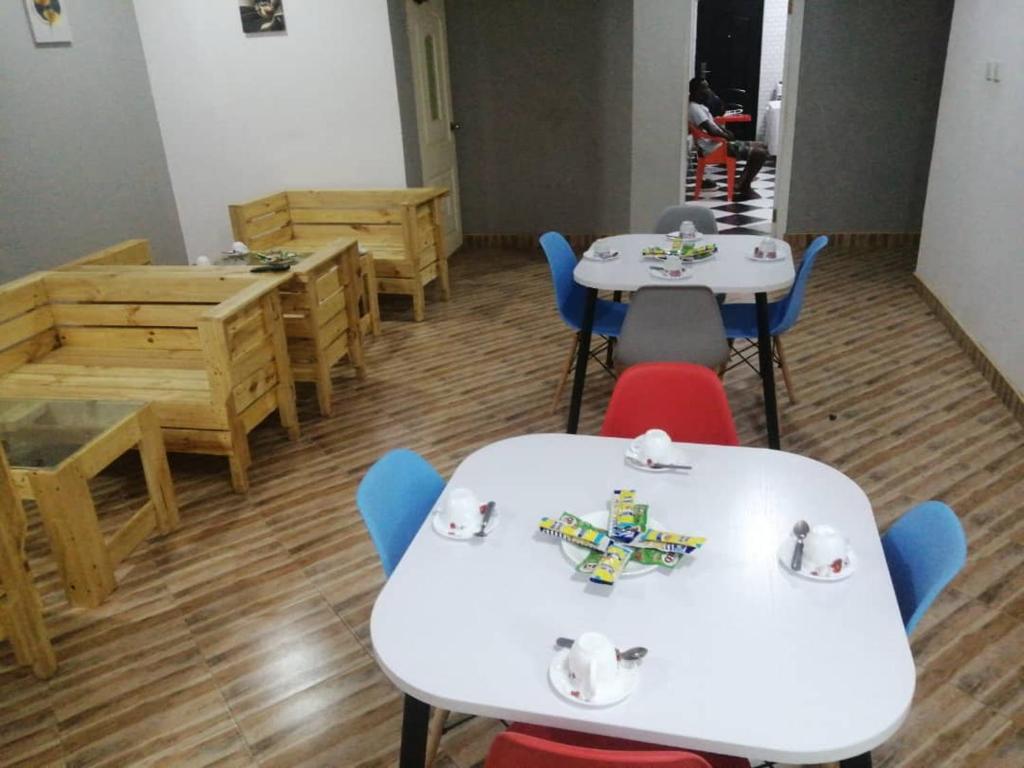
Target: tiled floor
x,y
750,217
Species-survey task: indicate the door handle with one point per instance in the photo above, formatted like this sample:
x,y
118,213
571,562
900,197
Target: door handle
x,y
455,126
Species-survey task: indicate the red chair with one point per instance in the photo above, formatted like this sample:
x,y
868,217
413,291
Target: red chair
x,y
718,156
534,746
686,400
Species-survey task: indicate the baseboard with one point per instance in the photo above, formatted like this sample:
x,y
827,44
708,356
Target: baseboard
x,y
522,241
1004,390
801,240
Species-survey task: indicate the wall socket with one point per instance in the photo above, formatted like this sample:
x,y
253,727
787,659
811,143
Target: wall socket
x,y
992,71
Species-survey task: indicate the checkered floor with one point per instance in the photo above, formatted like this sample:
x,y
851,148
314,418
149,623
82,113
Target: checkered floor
x,y
750,217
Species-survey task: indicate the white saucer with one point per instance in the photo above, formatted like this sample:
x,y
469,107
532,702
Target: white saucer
x,y
786,557
577,554
591,256
441,527
617,690
778,258
634,460
661,274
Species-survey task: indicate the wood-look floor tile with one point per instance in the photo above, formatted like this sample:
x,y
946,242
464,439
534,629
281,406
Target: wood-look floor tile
x,y
242,638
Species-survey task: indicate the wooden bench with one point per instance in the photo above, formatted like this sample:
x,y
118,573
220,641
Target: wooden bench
x,y
321,297
21,610
210,354
402,227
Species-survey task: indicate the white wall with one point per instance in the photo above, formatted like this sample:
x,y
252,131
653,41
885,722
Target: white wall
x,y
661,58
773,48
244,116
971,255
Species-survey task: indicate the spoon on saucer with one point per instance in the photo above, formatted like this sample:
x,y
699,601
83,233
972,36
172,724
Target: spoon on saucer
x,y
800,530
630,654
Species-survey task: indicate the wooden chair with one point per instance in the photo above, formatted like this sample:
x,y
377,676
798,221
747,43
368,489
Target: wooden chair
x,y
718,156
369,305
21,610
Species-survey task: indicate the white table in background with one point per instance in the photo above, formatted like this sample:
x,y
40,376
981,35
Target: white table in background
x,y
745,658
772,132
730,271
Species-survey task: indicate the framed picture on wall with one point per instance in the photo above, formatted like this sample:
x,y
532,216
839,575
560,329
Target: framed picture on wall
x,y
259,16
49,21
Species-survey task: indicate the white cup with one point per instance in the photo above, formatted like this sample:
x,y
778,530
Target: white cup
x,y
593,663
202,261
239,247
823,546
656,446
602,250
462,508
688,231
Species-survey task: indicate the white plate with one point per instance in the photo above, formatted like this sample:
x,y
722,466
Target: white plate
x,y
786,557
591,256
661,274
441,528
634,460
617,690
577,554
777,259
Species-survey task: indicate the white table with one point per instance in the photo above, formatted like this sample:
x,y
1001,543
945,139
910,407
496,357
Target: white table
x,y
730,271
745,658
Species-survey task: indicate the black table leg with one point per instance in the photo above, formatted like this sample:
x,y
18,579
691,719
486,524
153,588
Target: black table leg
x,y
415,719
764,356
860,761
609,357
582,356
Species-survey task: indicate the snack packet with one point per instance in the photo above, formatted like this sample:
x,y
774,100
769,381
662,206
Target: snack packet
x,y
611,564
588,536
668,542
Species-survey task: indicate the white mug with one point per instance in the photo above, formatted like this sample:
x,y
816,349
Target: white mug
x,y
462,508
593,663
202,261
601,249
822,547
656,446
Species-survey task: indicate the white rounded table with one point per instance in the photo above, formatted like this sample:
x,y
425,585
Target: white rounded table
x,y
745,658
730,271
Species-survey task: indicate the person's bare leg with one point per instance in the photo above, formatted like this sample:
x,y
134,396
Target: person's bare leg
x,y
755,161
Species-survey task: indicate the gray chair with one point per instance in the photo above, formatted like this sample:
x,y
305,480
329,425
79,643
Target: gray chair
x,y
675,215
670,324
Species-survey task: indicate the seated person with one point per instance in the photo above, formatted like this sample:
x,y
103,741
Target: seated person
x,y
754,152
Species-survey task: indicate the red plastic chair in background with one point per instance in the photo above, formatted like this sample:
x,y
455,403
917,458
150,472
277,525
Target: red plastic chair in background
x,y
718,156
684,399
533,746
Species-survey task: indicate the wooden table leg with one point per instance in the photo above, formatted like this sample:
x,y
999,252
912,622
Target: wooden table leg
x,y
157,471
69,517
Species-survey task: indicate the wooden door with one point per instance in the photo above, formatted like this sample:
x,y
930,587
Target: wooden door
x,y
428,40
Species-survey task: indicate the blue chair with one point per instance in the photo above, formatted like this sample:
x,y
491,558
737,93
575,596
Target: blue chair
x,y
570,298
741,319
924,550
394,499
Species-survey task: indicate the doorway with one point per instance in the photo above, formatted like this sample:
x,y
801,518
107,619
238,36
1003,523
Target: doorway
x,y
435,122
739,48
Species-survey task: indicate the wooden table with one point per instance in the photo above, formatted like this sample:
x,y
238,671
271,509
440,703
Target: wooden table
x,y
730,271
745,658
55,447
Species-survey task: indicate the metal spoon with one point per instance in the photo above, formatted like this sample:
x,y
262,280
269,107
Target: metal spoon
x,y
630,654
659,465
486,510
800,530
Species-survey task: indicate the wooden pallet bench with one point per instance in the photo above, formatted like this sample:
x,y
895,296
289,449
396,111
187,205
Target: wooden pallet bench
x,y
211,354
402,228
321,300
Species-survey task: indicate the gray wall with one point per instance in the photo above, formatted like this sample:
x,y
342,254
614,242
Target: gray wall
x,y
870,79
82,164
406,92
661,61
543,92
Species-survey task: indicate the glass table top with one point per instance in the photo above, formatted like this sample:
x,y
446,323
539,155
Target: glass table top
x,y
40,434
